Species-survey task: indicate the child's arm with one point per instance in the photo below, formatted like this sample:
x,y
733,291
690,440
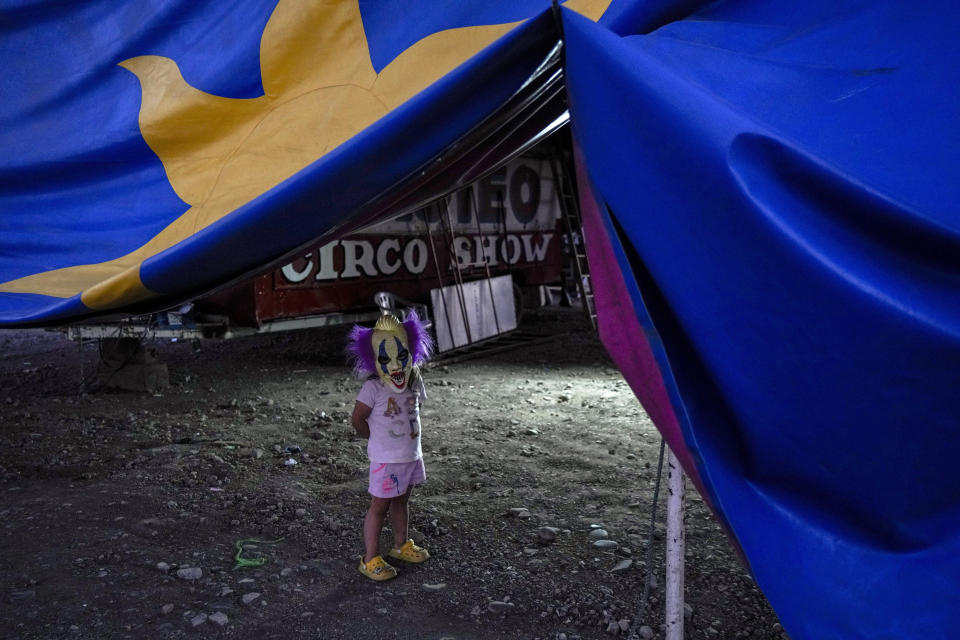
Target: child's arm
x,y
359,419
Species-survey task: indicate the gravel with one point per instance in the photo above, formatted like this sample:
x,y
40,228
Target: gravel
x,y
110,483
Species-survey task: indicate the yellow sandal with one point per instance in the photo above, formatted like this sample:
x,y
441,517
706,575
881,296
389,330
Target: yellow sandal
x,y
410,552
377,569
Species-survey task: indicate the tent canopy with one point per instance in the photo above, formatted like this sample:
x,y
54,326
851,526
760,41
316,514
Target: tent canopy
x,y
770,210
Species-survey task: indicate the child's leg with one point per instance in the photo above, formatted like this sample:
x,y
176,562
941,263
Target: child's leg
x,y
372,524
399,516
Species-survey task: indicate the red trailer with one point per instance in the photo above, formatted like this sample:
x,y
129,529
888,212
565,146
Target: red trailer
x,y
506,223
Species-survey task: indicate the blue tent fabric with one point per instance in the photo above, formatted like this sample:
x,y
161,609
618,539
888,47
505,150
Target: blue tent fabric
x,y
78,184
776,182
287,215
782,182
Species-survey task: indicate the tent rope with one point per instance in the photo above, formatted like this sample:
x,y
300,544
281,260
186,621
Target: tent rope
x,y
641,610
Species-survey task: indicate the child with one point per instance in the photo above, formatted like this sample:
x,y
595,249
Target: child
x,y
387,413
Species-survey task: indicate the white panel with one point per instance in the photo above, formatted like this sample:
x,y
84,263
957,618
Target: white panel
x,y
479,298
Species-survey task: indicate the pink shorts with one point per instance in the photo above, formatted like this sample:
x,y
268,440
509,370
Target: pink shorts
x,y
392,479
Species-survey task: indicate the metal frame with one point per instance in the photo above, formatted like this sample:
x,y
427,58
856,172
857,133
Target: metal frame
x,y
201,330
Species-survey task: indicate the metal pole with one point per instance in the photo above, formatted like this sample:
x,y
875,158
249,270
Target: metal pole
x,y
459,274
675,549
80,356
486,263
443,298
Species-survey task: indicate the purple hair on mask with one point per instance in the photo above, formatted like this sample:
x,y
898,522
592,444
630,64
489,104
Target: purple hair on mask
x,y
421,344
360,351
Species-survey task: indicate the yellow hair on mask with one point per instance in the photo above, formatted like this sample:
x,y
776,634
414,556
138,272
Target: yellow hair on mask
x,y
389,322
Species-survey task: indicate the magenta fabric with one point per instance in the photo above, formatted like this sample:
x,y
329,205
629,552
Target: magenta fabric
x,y
621,332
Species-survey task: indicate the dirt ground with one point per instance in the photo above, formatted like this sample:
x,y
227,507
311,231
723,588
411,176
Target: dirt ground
x,y
119,512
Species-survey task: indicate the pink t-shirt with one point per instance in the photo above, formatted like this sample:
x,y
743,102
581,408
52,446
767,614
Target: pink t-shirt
x,y
394,422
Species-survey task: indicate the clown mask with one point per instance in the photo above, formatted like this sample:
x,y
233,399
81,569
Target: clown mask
x,y
391,349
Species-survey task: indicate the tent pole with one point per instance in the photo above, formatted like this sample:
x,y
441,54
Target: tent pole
x,y
675,549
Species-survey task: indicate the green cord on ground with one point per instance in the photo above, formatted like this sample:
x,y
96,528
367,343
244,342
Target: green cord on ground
x,y
243,563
